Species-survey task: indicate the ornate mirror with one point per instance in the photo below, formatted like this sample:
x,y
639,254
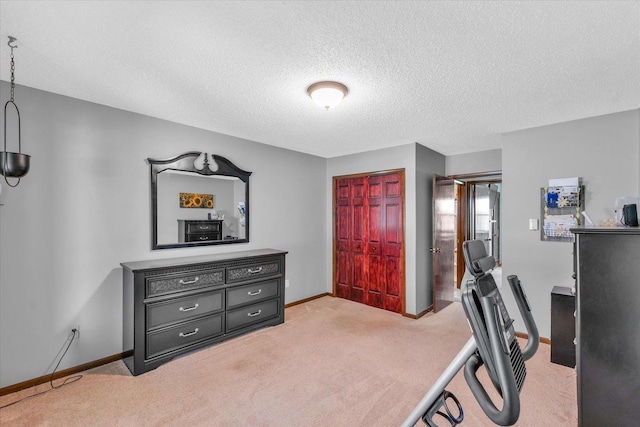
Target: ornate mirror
x,y
195,202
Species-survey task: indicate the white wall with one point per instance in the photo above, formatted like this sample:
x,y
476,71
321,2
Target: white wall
x,y
604,151
84,208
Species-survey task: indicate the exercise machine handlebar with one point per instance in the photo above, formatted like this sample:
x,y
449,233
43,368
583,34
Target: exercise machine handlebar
x,y
501,353
525,311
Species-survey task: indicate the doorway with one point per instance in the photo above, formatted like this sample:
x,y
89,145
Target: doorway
x,y
484,211
472,212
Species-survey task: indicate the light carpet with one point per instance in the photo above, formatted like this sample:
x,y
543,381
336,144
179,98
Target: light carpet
x,y
332,363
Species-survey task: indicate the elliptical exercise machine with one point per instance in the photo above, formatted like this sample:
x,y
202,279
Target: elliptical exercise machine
x,y
493,344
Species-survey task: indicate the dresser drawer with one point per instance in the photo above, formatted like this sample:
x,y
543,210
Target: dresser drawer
x,y
202,237
167,284
200,228
252,314
182,309
252,293
262,269
184,334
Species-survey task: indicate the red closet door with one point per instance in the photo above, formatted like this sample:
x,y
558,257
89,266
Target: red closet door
x,y
357,238
343,276
392,242
369,254
375,294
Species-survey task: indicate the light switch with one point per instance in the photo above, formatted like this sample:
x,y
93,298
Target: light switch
x,y
533,223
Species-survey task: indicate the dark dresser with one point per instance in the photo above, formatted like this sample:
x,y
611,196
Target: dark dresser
x,y
563,322
192,230
173,306
608,326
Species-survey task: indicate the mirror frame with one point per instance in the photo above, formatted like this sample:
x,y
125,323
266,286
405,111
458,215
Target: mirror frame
x,y
186,163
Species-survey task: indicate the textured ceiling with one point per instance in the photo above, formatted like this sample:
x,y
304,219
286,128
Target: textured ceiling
x,y
449,75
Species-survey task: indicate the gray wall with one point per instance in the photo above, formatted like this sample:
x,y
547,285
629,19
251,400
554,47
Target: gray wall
x,y
84,208
480,161
604,152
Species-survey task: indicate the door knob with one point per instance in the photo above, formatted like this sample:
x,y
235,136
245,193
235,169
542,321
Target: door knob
x,y
434,250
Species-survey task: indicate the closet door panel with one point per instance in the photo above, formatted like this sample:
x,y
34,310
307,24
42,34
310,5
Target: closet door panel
x,y
374,291
343,271
358,214
358,228
392,281
375,218
375,187
343,192
374,237
358,288
357,239
392,244
393,233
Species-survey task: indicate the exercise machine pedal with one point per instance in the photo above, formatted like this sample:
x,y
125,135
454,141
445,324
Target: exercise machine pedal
x,y
441,404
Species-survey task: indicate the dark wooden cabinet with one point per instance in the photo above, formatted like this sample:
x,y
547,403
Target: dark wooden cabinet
x,y
608,317
563,322
369,240
190,230
173,306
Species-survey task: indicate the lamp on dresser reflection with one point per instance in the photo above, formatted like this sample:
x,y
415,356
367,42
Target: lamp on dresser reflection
x,y
13,165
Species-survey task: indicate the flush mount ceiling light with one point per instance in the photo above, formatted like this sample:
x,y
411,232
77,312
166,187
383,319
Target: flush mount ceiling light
x,y
327,94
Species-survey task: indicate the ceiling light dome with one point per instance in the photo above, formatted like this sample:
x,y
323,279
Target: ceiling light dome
x,y
327,94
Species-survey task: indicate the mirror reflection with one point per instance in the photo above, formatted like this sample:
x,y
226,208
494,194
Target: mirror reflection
x,y
186,214
196,202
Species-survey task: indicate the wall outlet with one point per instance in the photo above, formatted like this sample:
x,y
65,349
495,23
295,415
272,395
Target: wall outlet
x,y
77,336
286,283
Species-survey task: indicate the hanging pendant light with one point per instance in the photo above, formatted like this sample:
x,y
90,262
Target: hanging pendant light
x,y
13,165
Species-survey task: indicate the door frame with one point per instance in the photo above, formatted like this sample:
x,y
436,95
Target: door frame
x,y
334,263
443,260
472,178
491,177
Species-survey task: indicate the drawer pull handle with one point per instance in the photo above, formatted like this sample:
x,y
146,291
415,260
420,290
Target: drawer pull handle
x,y
257,270
189,308
188,334
204,227
253,294
188,282
257,313
204,237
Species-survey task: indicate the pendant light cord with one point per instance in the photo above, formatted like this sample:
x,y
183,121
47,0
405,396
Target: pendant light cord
x,y
13,87
13,69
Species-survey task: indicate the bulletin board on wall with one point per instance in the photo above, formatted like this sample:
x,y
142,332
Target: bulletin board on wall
x,y
560,209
